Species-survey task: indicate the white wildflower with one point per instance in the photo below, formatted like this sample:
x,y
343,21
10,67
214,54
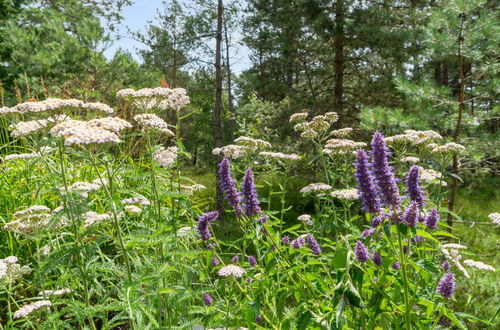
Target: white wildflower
x,y
451,147
81,132
315,187
24,128
343,145
409,159
113,124
420,137
455,258
82,189
341,132
255,143
453,246
91,218
279,155
48,104
165,157
331,117
430,176
495,218
232,151
30,221
30,308
98,106
49,293
298,117
10,270
191,189
231,270
150,121
6,110
348,194
139,200
132,209
479,265
21,156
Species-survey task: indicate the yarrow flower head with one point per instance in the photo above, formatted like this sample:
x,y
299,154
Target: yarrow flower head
x,y
250,194
30,308
203,224
231,270
279,155
165,157
413,186
150,121
361,251
495,218
366,184
252,143
345,194
232,151
479,265
313,187
446,286
383,172
228,185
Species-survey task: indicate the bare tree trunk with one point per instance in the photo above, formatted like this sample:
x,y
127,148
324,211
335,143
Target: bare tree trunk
x,y
218,99
232,120
456,133
338,91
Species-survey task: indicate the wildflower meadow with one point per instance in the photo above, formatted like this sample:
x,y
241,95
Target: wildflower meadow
x,y
339,181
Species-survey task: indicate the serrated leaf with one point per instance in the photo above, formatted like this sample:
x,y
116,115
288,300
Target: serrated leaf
x,y
426,235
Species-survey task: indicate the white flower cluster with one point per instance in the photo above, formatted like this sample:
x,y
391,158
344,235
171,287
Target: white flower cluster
x,y
113,124
48,104
185,231
139,200
454,256
10,270
495,218
315,187
49,293
298,117
24,128
191,189
167,98
30,308
231,270
98,106
411,160
6,110
306,218
342,146
165,157
83,189
150,121
450,147
479,265
414,137
342,132
321,123
453,246
250,142
279,155
91,218
30,221
132,209
21,156
77,132
430,176
348,194
232,151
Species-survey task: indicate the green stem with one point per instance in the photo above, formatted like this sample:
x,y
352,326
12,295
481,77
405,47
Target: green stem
x,y
405,279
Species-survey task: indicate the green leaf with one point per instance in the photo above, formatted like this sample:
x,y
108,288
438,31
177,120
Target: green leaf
x,y
443,233
304,320
352,294
453,318
427,303
339,259
426,235
338,314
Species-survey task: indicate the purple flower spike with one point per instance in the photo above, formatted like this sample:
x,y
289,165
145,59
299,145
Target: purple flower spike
x,y
236,259
410,216
297,243
228,185
203,222
263,219
366,185
250,194
285,239
258,319
413,186
432,219
215,261
361,251
446,286
367,232
252,261
396,265
445,265
383,173
377,259
207,299
378,220
313,244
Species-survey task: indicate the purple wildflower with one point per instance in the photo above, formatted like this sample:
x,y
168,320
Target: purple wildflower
x,y
210,246
313,244
258,319
248,280
446,286
263,219
382,171
215,261
366,184
378,220
367,232
286,239
377,259
250,194
361,251
396,265
410,216
445,265
297,243
432,219
417,239
252,261
203,222
207,299
228,185
413,186
236,259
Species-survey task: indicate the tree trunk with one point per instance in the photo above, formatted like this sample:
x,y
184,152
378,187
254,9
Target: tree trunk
x,y
456,133
232,121
218,100
338,91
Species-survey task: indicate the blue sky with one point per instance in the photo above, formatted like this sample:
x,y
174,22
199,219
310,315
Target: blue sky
x,y
135,17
